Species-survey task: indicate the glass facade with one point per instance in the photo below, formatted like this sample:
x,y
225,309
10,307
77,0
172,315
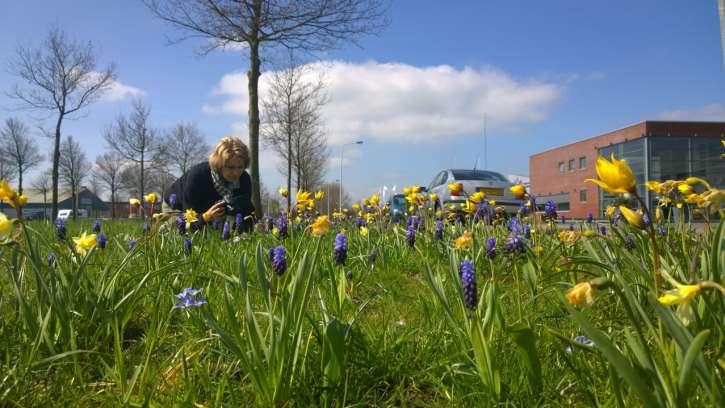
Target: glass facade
x,y
667,158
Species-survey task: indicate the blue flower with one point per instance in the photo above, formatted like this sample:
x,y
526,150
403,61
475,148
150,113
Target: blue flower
x,y
410,235
226,231
131,243
340,249
60,229
491,247
413,221
661,230
563,219
270,223
279,260
603,229
523,209
468,281
348,275
360,222
215,224
187,246
550,210
238,222
172,200
439,229
514,225
181,224
101,240
282,226
188,299
527,231
629,241
590,217
514,244
97,226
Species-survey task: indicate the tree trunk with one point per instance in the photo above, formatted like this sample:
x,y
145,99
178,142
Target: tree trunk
x,y
113,203
56,158
20,190
253,85
143,211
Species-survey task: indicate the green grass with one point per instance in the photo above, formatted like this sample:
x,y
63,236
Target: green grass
x,y
101,330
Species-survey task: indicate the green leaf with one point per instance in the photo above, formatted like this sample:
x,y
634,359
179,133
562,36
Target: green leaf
x,y
525,339
693,352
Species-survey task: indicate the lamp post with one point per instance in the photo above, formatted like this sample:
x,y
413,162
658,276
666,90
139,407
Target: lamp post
x,y
342,148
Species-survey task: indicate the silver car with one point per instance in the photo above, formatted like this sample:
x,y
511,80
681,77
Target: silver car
x,y
495,185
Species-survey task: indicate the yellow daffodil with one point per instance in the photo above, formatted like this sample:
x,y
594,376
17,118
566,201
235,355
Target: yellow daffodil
x,y
713,198
681,294
283,192
455,188
433,197
655,186
589,233
477,197
84,243
685,189
156,216
356,207
615,176
5,190
568,237
190,216
22,199
304,201
134,201
634,218
407,190
518,190
320,226
319,195
415,189
694,199
658,213
375,200
275,231
364,231
465,241
6,226
582,293
609,212
538,249
492,203
11,196
469,207
150,198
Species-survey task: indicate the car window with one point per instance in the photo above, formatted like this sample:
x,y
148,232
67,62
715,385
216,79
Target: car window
x,y
477,175
399,200
438,179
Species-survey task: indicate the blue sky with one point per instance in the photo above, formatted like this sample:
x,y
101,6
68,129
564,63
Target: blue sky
x,y
544,73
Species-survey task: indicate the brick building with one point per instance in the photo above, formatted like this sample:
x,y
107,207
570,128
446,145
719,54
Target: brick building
x,y
655,150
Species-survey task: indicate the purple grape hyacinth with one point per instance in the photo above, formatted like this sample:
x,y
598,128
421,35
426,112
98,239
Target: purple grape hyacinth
x,y
131,243
340,249
550,210
491,247
279,260
514,244
629,241
172,200
60,229
188,299
410,235
97,226
468,281
282,226
603,229
181,224
590,217
187,246
439,229
226,231
238,222
101,240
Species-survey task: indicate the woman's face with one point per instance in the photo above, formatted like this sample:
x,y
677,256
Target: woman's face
x,y
232,169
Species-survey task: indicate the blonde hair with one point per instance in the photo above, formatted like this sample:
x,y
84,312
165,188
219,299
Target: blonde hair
x,y
228,147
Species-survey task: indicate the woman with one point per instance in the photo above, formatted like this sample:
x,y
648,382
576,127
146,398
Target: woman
x,y
218,187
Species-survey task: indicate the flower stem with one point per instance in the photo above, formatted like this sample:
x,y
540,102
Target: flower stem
x,y
655,247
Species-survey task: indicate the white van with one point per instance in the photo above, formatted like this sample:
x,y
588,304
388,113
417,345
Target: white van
x,y
65,214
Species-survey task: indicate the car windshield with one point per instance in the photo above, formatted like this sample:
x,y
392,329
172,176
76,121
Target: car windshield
x,y
477,175
398,200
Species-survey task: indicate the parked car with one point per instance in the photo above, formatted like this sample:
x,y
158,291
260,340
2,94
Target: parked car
x,y
397,207
494,184
65,214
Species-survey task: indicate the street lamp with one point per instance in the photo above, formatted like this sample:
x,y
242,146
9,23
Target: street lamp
x,y
342,148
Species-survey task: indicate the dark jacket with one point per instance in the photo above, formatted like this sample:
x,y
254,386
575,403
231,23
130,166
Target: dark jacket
x,y
195,189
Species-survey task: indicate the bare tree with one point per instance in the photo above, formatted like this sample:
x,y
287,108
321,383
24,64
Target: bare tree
x,y
42,183
184,145
73,168
19,148
7,170
134,140
291,125
332,197
305,25
59,76
108,170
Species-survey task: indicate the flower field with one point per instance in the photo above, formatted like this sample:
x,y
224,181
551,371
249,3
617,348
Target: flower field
x,y
462,307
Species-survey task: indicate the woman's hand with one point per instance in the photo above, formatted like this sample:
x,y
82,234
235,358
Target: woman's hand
x,y
214,211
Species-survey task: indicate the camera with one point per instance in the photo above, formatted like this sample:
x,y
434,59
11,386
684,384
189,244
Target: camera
x,y
233,207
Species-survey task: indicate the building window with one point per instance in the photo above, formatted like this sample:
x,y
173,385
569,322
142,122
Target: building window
x,y
561,167
582,162
571,165
583,196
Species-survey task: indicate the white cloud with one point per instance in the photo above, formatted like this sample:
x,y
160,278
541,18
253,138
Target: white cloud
x,y
710,112
118,91
396,102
